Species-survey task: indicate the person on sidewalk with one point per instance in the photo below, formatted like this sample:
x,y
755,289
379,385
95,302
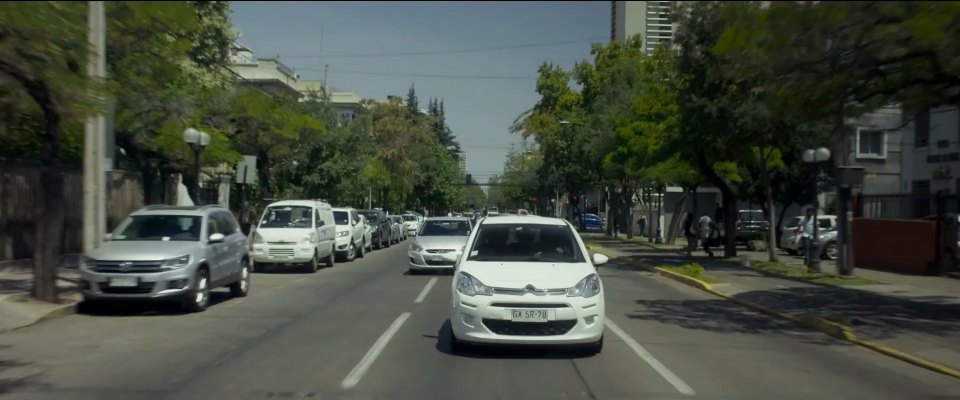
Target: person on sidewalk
x,y
806,240
690,232
641,223
706,229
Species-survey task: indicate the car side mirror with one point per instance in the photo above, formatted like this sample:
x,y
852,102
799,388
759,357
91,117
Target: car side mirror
x,y
320,223
599,259
217,238
107,236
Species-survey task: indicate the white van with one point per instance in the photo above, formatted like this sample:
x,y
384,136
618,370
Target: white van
x,y
295,232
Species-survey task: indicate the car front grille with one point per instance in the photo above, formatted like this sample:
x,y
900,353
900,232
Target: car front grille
x,y
549,328
440,251
439,263
281,252
529,305
141,288
521,291
127,267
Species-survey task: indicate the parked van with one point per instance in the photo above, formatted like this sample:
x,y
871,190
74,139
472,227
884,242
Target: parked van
x,y
295,232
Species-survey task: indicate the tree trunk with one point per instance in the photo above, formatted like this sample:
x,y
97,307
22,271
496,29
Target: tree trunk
x,y
628,211
263,174
729,204
678,213
771,214
783,213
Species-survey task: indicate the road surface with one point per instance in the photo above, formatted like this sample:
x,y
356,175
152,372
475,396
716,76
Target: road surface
x,y
367,330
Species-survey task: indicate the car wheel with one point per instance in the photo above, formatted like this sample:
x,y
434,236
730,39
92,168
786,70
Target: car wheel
x,y
199,297
314,264
241,287
352,252
831,251
332,257
361,252
389,242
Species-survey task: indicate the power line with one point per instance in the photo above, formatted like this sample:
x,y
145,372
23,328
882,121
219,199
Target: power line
x,y
419,75
450,51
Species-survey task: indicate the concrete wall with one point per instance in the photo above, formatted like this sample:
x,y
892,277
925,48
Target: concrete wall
x,y
883,172
905,246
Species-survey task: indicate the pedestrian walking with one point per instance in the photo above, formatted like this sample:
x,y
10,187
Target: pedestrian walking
x,y
690,232
642,224
706,232
246,216
807,240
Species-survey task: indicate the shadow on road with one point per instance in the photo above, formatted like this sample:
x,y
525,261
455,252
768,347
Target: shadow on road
x,y
16,375
505,352
145,308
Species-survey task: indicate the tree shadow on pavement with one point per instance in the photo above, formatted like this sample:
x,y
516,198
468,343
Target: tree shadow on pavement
x,y
720,316
17,375
504,352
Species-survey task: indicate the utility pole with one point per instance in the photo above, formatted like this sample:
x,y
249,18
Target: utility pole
x,y
326,85
94,175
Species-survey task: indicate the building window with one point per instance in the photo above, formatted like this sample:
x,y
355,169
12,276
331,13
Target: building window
x,y
871,143
921,129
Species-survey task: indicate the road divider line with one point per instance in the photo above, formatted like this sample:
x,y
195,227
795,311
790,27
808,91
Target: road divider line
x,y
361,369
645,355
426,289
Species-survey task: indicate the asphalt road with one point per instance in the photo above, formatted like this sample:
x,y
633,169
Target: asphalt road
x,y
366,330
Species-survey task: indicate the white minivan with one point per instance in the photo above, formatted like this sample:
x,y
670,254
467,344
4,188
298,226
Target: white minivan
x,y
295,232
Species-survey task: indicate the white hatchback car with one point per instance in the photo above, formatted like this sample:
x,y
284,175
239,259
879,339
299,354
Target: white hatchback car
x,y
526,280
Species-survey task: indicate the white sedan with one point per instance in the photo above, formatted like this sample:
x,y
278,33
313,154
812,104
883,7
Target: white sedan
x,y
527,280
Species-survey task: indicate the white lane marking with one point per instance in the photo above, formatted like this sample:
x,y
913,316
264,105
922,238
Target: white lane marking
x,y
426,289
357,373
674,380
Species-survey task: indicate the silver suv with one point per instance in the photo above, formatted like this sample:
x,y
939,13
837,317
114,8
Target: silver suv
x,y
169,253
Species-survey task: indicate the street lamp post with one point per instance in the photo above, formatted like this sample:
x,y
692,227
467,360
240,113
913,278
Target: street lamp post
x,y
197,141
815,157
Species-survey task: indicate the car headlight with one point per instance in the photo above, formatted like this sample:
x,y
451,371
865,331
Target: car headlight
x,y
175,263
312,237
257,238
587,287
471,286
343,234
416,248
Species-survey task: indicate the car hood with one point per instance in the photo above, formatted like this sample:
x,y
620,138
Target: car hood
x,y
131,250
518,275
441,242
290,235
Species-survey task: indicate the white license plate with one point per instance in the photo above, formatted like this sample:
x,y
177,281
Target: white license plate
x,y
122,282
434,258
531,315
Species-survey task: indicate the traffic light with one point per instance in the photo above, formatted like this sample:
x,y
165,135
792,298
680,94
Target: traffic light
x,y
574,199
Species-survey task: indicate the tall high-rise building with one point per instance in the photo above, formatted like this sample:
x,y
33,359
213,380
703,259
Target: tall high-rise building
x,y
653,20
462,162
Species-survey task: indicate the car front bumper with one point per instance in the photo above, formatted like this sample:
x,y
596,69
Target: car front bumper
x,y
424,261
343,242
288,253
166,285
487,319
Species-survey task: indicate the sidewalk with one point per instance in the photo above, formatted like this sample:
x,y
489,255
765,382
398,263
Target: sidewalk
x,y
18,309
919,315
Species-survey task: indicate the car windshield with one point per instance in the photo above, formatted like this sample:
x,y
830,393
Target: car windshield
x,y
341,217
409,217
526,242
372,217
287,217
445,228
178,228
751,215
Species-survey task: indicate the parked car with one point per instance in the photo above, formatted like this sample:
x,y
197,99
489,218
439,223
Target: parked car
x,y
169,253
382,233
751,225
523,212
438,236
788,234
592,222
492,211
510,280
400,232
352,236
295,232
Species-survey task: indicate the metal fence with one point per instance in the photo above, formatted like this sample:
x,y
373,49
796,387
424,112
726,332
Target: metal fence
x,y
905,206
19,210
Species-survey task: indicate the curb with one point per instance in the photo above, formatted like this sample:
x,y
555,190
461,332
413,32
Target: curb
x,y
833,329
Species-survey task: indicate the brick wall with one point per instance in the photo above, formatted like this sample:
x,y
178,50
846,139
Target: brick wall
x,y
895,245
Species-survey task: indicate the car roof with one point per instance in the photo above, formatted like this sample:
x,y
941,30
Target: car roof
x,y
161,209
447,219
306,203
523,219
344,209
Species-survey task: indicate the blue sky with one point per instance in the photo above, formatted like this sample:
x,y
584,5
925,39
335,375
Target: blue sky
x,y
479,111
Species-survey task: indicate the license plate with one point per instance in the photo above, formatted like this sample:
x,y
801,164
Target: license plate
x,y
434,258
530,315
122,282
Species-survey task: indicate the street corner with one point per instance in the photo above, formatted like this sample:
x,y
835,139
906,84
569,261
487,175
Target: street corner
x,y
20,310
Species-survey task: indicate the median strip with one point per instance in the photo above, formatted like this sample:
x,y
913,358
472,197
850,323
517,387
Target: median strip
x,y
831,328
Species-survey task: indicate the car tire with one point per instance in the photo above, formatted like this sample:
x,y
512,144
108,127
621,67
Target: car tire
x,y
351,252
332,257
361,252
199,297
314,264
241,287
389,242
830,251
